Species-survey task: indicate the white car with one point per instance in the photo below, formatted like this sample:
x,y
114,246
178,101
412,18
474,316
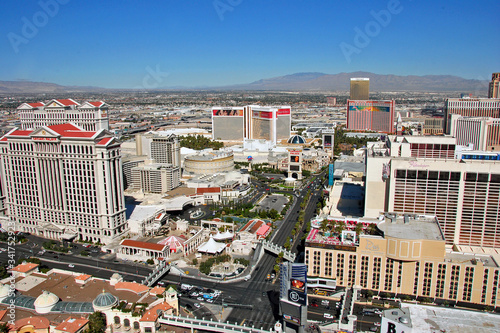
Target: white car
x,y
210,300
71,266
325,302
328,316
197,305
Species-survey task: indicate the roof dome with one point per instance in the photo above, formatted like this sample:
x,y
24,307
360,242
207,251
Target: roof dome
x,y
4,290
104,301
45,302
297,139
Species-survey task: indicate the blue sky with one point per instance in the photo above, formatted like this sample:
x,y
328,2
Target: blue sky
x,y
130,44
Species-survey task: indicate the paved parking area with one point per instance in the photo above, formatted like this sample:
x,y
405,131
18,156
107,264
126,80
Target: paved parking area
x,y
274,201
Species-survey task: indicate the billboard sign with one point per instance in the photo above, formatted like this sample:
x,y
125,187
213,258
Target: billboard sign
x,y
291,319
227,113
283,112
298,284
327,141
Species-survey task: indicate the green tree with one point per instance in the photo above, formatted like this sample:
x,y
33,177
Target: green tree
x,y
97,323
358,228
195,261
4,328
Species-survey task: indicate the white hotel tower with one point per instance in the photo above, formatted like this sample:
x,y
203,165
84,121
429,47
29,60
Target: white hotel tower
x,y
90,116
63,182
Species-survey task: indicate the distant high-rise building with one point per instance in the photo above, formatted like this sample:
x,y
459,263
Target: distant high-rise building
x,y
494,91
90,116
162,149
360,89
469,107
331,101
62,182
251,122
482,132
371,115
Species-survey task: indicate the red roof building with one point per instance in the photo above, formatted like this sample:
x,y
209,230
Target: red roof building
x,y
137,250
65,195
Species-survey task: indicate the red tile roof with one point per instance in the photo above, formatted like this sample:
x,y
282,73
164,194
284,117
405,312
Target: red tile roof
x,y
38,323
71,131
21,133
142,245
72,325
203,190
131,286
97,104
157,290
104,141
24,268
67,102
152,314
83,277
35,105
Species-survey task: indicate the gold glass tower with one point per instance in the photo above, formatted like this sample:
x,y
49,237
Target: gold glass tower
x,y
360,89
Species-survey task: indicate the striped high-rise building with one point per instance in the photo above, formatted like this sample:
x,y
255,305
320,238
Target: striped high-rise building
x,y
90,116
63,182
370,115
251,122
482,132
464,195
470,107
494,91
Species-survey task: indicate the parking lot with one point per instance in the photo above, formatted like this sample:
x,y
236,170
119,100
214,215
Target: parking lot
x,y
276,202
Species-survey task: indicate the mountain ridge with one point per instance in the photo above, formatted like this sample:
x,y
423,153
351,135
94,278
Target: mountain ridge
x,y
302,81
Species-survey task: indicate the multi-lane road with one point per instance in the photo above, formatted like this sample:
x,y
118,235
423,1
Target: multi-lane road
x,y
253,302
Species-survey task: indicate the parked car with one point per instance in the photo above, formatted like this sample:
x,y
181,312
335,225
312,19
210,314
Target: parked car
x,y
327,315
197,305
71,265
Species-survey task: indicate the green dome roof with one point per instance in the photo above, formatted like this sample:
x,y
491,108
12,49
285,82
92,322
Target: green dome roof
x,y
105,300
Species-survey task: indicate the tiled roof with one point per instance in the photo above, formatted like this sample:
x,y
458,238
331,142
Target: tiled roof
x,y
2,314
252,226
35,105
203,190
104,141
71,131
38,323
72,325
83,277
97,104
131,286
23,268
142,245
152,314
157,290
67,102
21,133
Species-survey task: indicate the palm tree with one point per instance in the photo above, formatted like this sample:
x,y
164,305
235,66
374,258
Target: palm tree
x,y
324,225
358,228
340,227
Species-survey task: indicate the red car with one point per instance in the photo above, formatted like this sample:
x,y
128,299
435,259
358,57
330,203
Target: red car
x,y
315,305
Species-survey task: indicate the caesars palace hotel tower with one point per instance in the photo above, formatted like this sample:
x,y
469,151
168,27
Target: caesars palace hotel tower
x,y
63,182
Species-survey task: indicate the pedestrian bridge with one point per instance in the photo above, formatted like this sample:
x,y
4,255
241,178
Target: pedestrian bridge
x,y
276,249
209,325
156,274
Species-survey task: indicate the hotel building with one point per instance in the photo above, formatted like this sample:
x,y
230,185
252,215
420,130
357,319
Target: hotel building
x,y
63,182
407,256
494,89
161,149
90,116
369,115
251,122
360,89
463,194
483,133
469,107
156,178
